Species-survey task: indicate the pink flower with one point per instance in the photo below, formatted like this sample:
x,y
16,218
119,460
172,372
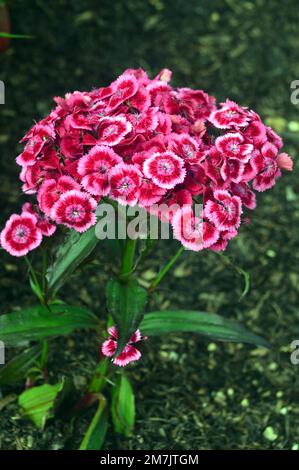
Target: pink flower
x,y
123,88
128,354
21,234
165,169
125,182
245,194
44,224
185,147
75,209
95,166
266,166
232,146
51,190
225,212
229,116
143,141
285,162
112,130
194,233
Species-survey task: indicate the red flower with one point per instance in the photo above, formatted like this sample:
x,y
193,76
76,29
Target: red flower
x,y
21,234
194,233
128,354
51,190
75,209
165,169
125,182
232,146
95,166
229,116
112,130
225,214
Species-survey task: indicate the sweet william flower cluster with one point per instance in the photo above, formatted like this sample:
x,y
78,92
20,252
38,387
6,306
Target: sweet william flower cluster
x,y
142,141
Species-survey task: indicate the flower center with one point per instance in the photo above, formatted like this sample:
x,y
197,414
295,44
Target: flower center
x,y
20,234
75,213
165,167
125,185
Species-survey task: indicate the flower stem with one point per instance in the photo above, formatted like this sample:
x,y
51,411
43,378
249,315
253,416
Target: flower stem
x,y
128,259
166,268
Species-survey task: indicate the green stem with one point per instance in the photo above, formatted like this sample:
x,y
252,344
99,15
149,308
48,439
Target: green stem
x,y
166,268
128,259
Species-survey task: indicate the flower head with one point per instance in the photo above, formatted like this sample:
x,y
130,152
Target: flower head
x,y
21,234
165,169
75,209
128,354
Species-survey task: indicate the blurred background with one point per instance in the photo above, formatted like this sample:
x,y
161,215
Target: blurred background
x,y
191,394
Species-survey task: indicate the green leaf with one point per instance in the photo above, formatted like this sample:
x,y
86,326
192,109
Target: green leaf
x,y
99,378
96,432
15,36
69,256
18,367
38,322
38,403
126,303
207,324
123,407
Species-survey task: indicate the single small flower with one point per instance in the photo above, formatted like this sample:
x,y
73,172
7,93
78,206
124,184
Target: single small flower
x,y
125,181
76,210
285,162
165,169
128,354
225,212
51,190
21,234
193,232
229,116
112,130
94,167
232,146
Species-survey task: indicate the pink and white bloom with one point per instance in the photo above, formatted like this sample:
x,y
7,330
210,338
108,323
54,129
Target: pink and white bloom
x,y
229,116
123,88
75,209
232,146
165,169
185,147
112,130
51,190
225,212
266,166
95,166
21,234
44,224
125,181
193,232
128,354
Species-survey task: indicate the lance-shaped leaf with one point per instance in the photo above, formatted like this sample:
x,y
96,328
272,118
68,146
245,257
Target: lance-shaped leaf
x,y
126,303
76,248
38,322
123,407
18,367
96,432
38,403
207,324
